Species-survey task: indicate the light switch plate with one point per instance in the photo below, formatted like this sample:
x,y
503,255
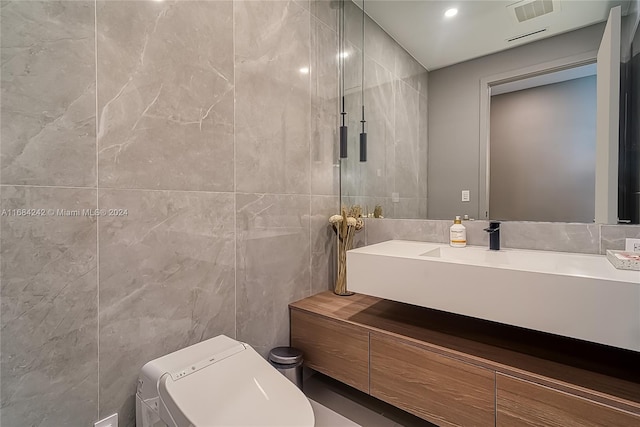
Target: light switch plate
x,y
632,245
110,421
465,195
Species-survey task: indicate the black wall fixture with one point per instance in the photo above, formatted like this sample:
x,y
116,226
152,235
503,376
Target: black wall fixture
x,y
343,134
363,140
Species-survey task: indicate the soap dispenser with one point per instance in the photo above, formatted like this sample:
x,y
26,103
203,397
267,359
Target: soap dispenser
x,y
458,234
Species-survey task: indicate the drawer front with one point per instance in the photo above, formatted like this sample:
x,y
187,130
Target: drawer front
x,y
523,403
336,349
436,388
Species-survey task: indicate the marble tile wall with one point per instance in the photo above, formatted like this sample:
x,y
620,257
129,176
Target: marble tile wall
x,y
49,303
196,124
548,236
396,113
48,93
49,286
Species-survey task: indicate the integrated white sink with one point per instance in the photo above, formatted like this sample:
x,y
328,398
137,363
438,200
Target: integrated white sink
x,y
571,264
575,295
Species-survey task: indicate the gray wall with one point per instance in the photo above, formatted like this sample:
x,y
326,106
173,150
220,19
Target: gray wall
x,y
543,153
396,114
195,118
454,116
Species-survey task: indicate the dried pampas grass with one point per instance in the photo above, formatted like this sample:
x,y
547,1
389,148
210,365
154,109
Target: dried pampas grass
x,y
345,225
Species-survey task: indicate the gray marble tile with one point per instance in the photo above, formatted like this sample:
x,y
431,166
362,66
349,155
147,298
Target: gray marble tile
x,y
325,177
423,147
49,309
410,70
323,243
407,143
381,230
347,200
352,56
409,208
476,236
378,175
48,93
327,11
350,178
352,24
165,95
351,168
421,82
273,262
305,4
272,49
353,172
166,282
379,45
613,236
561,237
422,208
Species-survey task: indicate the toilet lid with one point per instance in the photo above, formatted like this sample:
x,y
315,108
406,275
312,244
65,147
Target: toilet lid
x,y
242,390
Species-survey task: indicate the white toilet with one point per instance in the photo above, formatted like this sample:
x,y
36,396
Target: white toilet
x,y
218,382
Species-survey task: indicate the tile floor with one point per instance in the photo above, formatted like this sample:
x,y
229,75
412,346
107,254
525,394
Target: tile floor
x,y
325,417
338,405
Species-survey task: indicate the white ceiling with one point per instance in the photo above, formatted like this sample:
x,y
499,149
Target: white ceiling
x,y
481,27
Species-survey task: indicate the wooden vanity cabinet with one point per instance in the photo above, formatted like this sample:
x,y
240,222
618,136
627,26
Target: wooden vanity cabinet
x,y
437,388
338,350
526,404
454,370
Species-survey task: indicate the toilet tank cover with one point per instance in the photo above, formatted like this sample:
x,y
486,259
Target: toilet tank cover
x,y
241,390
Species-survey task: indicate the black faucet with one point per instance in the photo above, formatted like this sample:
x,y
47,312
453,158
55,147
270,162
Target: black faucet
x,y
494,235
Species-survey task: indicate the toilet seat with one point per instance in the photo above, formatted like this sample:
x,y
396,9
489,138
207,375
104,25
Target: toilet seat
x,y
239,390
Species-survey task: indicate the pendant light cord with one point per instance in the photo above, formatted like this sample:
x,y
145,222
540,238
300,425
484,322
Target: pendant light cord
x,y
343,113
363,134
342,55
363,121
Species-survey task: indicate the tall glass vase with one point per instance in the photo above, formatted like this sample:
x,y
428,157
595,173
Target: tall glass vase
x,y
343,245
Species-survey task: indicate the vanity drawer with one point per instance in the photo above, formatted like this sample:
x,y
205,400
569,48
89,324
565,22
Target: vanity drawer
x,y
523,403
336,349
439,389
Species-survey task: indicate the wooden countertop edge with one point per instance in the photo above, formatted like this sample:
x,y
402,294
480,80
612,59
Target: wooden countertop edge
x,y
595,395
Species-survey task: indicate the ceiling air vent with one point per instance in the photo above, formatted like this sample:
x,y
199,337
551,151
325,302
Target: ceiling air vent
x,y
533,9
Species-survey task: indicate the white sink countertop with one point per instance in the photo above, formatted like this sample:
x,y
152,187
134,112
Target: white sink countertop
x,y
577,295
573,264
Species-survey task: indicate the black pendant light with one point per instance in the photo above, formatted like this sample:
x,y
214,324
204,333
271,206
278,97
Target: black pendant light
x,y
343,127
363,140
363,134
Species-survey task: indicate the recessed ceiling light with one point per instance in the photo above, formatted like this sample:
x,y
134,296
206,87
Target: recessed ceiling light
x,y
451,12
304,70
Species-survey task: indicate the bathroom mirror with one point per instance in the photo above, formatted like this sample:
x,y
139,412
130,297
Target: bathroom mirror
x,y
423,76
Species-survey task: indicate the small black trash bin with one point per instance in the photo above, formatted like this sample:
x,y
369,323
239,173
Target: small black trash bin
x,y
288,361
